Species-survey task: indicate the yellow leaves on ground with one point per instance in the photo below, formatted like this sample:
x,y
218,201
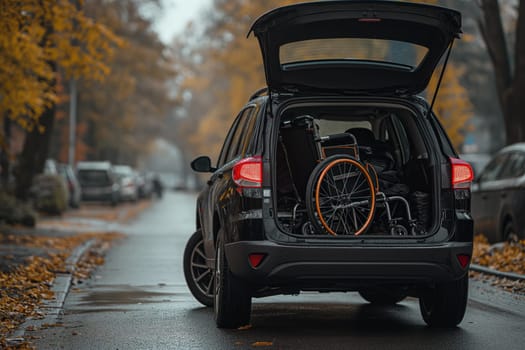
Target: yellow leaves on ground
x,y
507,257
262,343
23,288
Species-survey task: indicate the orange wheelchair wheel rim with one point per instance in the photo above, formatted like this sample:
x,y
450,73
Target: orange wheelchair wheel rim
x,y
372,199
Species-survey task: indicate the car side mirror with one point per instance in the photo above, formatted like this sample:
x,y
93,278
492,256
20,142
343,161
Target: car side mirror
x,y
202,164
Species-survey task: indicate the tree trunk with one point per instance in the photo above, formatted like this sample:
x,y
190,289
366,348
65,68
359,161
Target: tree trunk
x,y
36,145
510,85
516,129
5,153
35,152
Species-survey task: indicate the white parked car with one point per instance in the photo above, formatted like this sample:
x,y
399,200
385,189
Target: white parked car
x,y
128,184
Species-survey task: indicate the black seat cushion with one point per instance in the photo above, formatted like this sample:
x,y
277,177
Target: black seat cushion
x,y
373,151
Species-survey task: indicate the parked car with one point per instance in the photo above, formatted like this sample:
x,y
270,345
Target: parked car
x,y
98,182
73,185
145,184
338,177
478,161
128,183
498,196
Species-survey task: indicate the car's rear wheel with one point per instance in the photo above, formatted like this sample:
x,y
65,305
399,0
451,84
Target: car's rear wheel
x,y
232,301
199,277
383,297
445,304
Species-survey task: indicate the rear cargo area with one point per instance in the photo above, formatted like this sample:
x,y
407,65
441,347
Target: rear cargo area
x,y
348,170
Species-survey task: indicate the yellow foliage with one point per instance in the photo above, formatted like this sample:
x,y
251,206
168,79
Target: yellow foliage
x,y
453,106
230,72
37,36
232,69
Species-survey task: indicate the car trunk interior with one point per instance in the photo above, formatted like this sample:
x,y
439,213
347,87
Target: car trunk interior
x,y
386,140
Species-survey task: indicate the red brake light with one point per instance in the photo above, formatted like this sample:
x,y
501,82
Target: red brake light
x,y
462,174
248,172
256,259
463,260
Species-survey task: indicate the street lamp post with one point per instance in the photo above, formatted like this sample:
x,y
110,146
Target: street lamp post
x,y
72,120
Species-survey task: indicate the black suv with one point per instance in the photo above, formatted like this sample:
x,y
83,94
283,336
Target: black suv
x,y
337,176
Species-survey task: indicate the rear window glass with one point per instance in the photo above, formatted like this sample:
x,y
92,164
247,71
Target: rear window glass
x,y
329,127
93,177
352,49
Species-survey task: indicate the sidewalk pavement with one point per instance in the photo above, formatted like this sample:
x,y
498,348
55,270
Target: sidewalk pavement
x,y
37,268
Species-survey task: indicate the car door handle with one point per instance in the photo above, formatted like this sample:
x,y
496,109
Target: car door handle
x,y
503,195
484,196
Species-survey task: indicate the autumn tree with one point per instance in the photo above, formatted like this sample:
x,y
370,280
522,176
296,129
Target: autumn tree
x,y
509,66
119,117
224,68
453,106
220,69
40,37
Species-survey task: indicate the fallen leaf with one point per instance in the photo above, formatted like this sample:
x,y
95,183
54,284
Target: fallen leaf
x,y
262,343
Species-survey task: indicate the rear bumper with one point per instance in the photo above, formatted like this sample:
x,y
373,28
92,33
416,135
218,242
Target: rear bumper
x,y
128,192
105,197
289,265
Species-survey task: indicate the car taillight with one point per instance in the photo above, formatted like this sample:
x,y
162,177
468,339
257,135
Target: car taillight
x,y
248,172
463,260
256,259
462,174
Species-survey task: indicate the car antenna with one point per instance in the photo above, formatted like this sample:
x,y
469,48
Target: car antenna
x,y
440,78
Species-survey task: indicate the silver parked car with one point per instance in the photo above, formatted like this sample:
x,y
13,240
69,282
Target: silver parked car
x,y
478,161
98,182
128,182
498,196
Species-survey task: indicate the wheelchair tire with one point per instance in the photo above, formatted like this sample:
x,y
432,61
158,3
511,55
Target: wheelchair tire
x,y
340,196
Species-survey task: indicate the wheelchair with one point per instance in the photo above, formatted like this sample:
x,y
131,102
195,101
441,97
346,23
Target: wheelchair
x,y
343,194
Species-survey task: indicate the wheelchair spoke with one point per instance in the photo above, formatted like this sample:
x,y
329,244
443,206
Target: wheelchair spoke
x,y
344,197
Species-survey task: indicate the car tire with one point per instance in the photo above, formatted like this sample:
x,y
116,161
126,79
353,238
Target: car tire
x,y
383,297
444,305
232,300
509,233
199,277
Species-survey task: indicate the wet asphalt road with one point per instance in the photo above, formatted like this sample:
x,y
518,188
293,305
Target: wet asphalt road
x,y
138,300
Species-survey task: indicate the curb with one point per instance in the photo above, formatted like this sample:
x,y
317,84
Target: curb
x,y
489,271
61,286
